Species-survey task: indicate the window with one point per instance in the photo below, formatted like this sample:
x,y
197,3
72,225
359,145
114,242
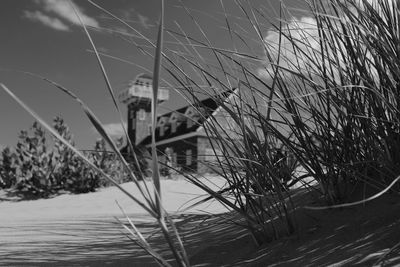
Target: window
x,y
142,115
173,127
161,130
161,125
188,157
132,118
174,159
173,119
133,123
189,114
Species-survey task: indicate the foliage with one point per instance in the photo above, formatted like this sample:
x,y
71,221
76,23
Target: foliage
x,y
36,171
73,174
140,167
8,168
108,162
327,92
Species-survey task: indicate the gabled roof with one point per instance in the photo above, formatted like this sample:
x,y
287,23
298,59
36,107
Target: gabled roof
x,y
144,76
208,105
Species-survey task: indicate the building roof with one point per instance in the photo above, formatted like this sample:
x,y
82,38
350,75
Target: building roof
x,y
144,76
208,107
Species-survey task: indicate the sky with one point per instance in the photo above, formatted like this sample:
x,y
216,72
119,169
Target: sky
x,y
45,37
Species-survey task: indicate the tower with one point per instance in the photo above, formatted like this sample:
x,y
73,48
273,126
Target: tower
x,y
138,97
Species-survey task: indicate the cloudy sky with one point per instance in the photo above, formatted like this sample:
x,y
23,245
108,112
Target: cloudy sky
x,y
44,37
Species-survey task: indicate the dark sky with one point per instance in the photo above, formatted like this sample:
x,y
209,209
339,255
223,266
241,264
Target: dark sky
x,y
44,37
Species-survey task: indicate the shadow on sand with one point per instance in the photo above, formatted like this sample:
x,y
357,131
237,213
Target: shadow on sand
x,y
101,242
347,237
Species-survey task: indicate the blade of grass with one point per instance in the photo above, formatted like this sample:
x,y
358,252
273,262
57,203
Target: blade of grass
x,y
143,242
111,91
78,153
154,103
345,205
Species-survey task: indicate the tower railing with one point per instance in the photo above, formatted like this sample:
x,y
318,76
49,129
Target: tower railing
x,y
136,92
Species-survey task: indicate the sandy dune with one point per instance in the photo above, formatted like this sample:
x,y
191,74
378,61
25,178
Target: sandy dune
x,y
82,229
177,194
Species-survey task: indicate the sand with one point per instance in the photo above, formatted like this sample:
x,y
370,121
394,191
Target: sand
x,y
72,229
81,230
177,195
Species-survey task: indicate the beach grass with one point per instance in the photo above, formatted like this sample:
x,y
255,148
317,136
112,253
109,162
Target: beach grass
x,y
321,97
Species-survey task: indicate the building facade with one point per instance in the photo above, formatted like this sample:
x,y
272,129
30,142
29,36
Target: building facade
x,y
182,142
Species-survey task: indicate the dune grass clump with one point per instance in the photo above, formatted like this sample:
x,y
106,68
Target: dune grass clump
x,y
341,92
326,95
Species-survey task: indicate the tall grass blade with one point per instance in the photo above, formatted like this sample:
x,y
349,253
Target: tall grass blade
x,y
141,240
110,90
355,203
154,104
77,152
98,126
180,255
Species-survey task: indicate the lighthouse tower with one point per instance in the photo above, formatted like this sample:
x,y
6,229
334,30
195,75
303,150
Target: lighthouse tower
x,y
138,97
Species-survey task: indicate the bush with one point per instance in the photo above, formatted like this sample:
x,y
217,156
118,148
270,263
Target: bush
x,y
36,171
108,162
34,165
8,168
71,174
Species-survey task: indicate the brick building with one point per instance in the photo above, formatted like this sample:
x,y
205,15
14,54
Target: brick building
x,y
181,138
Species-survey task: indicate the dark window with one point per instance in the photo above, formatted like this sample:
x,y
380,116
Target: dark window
x,y
189,155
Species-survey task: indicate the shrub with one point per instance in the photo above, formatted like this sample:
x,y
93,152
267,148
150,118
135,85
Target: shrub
x,y
35,165
71,174
8,168
66,165
37,171
108,162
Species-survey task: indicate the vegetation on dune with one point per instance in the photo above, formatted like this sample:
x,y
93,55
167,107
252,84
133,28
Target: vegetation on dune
x,y
327,94
35,169
325,101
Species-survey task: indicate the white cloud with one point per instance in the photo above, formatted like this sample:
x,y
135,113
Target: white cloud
x,y
303,36
301,50
65,10
103,49
144,21
131,15
58,12
54,23
127,14
114,129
